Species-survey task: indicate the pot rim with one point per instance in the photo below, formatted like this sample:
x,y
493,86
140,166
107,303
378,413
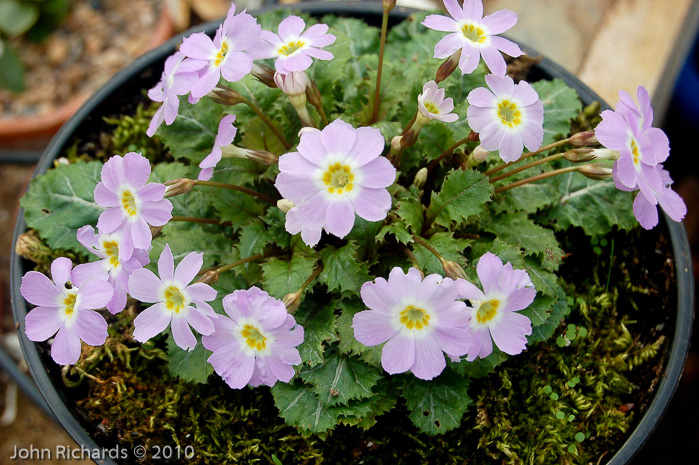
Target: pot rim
x,y
674,362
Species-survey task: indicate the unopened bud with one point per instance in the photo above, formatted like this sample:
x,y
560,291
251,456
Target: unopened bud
x,y
582,139
477,157
587,154
264,74
260,156
30,246
313,93
294,85
474,136
453,270
596,171
209,277
305,130
285,205
225,96
179,186
62,161
409,138
388,5
420,178
396,143
155,231
448,67
292,301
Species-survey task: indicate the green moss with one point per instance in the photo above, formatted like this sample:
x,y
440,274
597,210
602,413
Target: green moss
x,y
129,134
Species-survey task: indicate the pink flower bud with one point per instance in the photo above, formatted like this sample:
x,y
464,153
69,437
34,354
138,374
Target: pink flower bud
x,y
581,139
293,84
179,186
596,171
264,74
285,205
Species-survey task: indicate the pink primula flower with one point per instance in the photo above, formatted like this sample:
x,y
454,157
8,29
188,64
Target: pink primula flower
x,y
110,267
295,49
229,54
131,203
419,320
226,135
336,173
177,79
474,35
432,104
65,308
507,117
256,342
493,310
173,297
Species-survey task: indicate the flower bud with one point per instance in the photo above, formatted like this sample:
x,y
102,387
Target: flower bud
x,y
448,67
388,5
209,277
420,178
260,156
264,74
597,171
586,154
294,85
396,143
313,93
453,270
285,205
30,246
303,131
477,157
155,231
473,136
409,138
179,186
225,96
292,301
581,139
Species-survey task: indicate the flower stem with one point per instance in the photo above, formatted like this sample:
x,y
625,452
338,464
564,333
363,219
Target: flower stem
x,y
532,164
323,118
242,261
538,177
527,155
429,247
237,188
433,164
191,219
377,92
258,111
411,256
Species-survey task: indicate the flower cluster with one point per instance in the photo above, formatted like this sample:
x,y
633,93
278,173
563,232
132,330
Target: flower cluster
x,y
427,259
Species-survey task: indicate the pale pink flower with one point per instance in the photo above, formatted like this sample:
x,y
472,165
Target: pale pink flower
x,y
336,173
419,320
507,117
474,35
226,135
295,49
432,104
256,342
173,296
494,310
65,308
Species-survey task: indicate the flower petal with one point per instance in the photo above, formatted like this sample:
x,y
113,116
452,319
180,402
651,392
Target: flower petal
x,y
151,322
39,290
509,333
65,349
372,204
145,286
42,322
91,327
339,217
188,268
398,355
373,328
429,359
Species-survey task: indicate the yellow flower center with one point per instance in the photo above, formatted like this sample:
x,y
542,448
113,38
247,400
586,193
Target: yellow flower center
x,y
635,152
111,248
128,203
253,337
474,33
291,47
509,113
69,303
339,179
431,108
221,55
414,318
487,310
174,300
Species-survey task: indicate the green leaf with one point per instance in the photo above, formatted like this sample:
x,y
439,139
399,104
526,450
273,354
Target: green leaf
x,y
253,238
318,320
281,277
194,203
11,68
16,17
517,229
363,234
544,281
447,245
464,193
186,238
342,270
299,406
341,378
61,201
436,406
480,367
191,365
192,134
348,344
595,206
558,309
561,103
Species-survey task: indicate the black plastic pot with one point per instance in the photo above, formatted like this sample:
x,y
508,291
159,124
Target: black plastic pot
x,y
145,72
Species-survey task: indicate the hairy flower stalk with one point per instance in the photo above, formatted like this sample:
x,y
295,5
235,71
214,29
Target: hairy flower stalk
x,y
263,116
526,155
264,74
245,190
448,66
451,268
387,5
225,96
316,99
293,299
548,174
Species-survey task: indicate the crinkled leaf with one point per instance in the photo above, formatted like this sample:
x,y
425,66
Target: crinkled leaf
x,y
191,365
61,201
186,238
341,378
558,308
194,203
342,269
480,367
348,343
464,193
317,317
281,277
447,245
561,103
192,134
545,282
300,406
436,406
